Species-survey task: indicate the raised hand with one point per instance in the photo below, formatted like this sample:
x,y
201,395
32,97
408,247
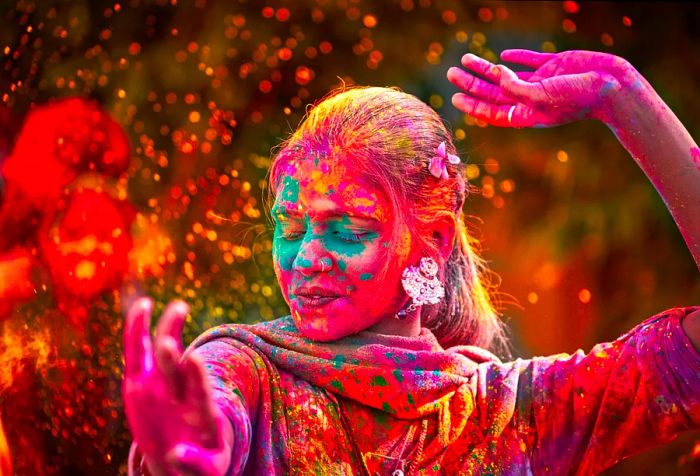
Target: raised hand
x,y
564,87
168,404
573,85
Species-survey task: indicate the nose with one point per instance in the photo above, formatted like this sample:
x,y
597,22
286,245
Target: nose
x,y
313,256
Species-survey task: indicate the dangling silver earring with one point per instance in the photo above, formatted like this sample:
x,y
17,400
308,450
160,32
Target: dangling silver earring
x,y
422,285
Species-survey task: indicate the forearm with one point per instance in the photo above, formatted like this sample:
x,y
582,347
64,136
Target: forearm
x,y
235,387
665,151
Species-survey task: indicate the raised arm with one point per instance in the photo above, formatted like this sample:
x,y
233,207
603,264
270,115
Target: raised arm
x,y
574,85
176,424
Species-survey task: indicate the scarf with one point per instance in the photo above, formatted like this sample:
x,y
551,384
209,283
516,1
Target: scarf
x,y
407,377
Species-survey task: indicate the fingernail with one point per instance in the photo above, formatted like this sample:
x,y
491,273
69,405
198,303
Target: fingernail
x,y
144,303
182,306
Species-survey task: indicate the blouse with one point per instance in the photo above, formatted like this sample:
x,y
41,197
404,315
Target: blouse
x,y
375,404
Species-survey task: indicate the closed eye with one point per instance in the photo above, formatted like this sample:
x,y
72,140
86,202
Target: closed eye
x,y
345,236
292,236
351,237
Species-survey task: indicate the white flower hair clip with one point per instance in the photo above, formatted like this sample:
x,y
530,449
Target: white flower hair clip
x,y
437,166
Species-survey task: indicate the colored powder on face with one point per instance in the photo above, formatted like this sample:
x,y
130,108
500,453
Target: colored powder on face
x,y
365,276
290,189
347,249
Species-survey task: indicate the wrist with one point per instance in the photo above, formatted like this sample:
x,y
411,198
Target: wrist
x,y
222,459
200,460
624,90
628,101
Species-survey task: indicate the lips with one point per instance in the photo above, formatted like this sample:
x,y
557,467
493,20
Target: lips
x,y
316,296
316,291
317,301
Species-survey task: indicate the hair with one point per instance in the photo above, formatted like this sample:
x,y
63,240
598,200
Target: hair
x,y
391,137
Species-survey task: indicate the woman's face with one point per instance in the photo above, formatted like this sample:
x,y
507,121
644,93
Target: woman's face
x,y
332,238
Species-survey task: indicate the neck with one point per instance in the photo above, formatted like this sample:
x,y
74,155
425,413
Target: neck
x,y
408,327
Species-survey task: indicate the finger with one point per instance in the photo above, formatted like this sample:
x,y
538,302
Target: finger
x,y
529,58
195,382
198,391
167,357
477,87
497,115
138,352
191,459
172,321
493,114
484,68
527,92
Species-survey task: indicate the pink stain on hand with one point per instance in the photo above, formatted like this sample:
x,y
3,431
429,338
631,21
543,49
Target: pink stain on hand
x,y
695,155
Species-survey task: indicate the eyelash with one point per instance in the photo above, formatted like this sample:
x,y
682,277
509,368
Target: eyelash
x,y
348,237
354,237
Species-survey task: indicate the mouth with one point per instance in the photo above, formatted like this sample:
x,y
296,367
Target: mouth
x,y
315,300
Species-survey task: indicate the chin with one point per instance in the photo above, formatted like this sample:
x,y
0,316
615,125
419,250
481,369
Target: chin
x,y
318,328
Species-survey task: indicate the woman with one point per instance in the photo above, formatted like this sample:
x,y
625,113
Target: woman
x,y
373,258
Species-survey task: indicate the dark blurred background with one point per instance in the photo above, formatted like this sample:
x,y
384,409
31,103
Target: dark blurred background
x,y
581,242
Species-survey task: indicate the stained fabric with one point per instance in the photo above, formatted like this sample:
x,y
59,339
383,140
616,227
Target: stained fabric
x,y
370,403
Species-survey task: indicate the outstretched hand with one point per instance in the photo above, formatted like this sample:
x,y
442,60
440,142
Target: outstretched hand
x,y
168,404
563,87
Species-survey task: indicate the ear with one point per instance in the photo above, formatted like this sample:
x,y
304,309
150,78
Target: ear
x,y
443,229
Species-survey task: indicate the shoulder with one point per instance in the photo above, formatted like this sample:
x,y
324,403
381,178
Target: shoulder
x,y
284,324
475,353
246,333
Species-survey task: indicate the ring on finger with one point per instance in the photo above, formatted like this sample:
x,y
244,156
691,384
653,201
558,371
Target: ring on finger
x,y
510,114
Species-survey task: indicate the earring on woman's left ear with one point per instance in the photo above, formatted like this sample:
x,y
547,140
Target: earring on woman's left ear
x,y
422,285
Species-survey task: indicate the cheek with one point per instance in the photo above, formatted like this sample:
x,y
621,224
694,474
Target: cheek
x,y
283,255
370,280
366,270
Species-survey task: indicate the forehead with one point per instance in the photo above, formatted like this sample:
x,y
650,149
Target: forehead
x,y
314,186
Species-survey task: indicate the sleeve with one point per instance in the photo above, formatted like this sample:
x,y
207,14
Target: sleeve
x,y
591,410
234,383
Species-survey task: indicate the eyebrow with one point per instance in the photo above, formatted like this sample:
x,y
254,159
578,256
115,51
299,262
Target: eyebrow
x,y
287,208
